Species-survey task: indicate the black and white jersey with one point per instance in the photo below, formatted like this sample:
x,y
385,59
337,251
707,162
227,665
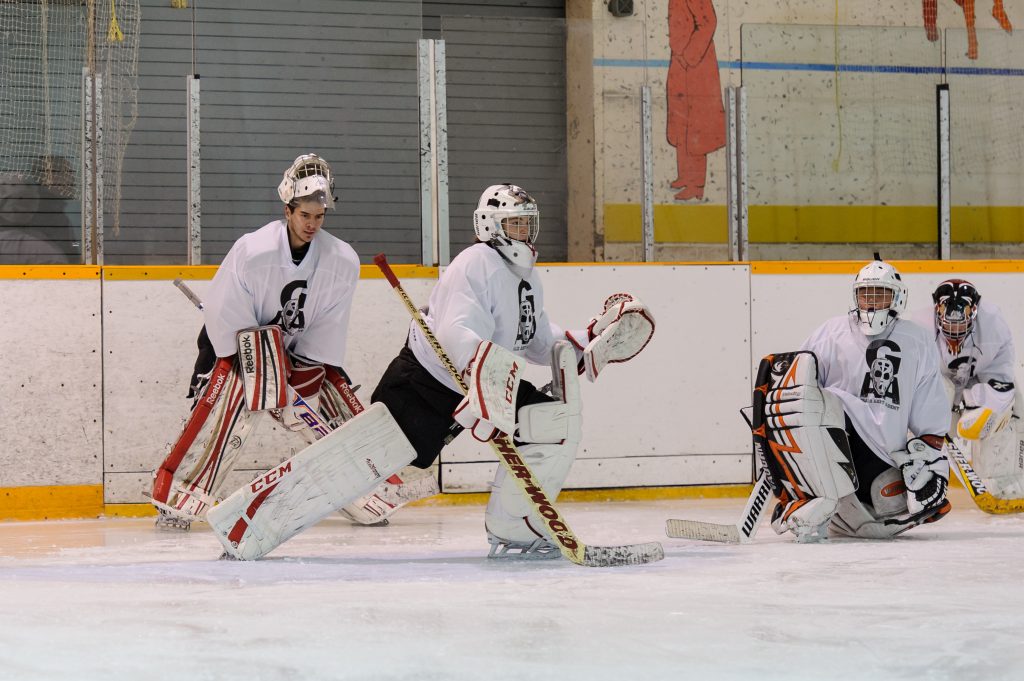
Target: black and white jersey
x,y
889,384
479,298
258,284
982,372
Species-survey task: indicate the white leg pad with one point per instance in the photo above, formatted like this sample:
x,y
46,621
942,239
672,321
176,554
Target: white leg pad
x,y
999,460
332,472
510,516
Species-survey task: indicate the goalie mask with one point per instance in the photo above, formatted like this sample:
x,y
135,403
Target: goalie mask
x,y
508,219
879,297
956,306
309,177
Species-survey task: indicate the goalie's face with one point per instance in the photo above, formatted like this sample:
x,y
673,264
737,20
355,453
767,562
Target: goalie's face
x,y
304,221
520,227
874,298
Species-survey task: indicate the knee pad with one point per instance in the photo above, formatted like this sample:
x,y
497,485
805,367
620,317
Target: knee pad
x,y
854,518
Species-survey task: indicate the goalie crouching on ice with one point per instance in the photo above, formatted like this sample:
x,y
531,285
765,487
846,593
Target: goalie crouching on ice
x,y
276,320
487,312
851,427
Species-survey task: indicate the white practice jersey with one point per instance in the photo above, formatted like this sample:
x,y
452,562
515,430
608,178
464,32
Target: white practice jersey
x,y
258,284
479,298
982,373
889,384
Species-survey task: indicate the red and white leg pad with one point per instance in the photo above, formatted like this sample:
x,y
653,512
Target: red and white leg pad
x,y
407,485
190,478
327,475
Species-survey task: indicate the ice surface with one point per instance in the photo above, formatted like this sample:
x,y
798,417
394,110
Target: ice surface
x,y
418,600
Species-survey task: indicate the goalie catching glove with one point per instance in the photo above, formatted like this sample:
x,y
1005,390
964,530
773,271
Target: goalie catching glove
x,y
925,473
618,334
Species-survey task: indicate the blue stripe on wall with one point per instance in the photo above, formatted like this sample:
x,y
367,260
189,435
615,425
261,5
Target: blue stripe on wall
x,y
847,68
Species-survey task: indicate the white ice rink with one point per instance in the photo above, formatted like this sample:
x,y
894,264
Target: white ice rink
x,y
115,599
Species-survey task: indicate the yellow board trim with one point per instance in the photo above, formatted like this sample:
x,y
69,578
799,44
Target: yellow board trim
x,y
707,223
86,501
51,502
851,267
49,272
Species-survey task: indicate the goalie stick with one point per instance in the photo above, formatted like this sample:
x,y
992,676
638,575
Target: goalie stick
x,y
740,532
568,543
975,487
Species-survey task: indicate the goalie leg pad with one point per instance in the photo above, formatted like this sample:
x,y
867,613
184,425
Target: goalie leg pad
x,y
322,478
190,478
408,485
799,430
263,365
338,402
509,518
493,386
999,460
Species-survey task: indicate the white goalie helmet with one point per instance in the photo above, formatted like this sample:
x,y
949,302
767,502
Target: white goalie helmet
x,y
508,218
879,297
308,177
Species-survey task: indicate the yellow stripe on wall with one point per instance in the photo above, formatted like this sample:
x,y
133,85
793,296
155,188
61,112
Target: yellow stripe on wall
x,y
49,272
817,224
51,502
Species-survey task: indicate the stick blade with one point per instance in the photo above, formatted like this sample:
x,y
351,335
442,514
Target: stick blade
x,y
704,531
990,503
629,554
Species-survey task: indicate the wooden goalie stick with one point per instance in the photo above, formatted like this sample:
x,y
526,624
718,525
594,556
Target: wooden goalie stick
x,y
740,532
975,487
568,543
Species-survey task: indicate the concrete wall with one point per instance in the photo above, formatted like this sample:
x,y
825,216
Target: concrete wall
x,y
838,163
97,368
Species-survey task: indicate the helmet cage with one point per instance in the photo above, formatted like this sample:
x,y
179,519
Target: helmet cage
x,y
507,213
879,297
956,306
309,177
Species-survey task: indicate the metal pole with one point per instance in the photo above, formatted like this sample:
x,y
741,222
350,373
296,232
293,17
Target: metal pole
x,y
97,185
732,173
942,118
743,252
647,174
87,161
441,234
425,71
195,240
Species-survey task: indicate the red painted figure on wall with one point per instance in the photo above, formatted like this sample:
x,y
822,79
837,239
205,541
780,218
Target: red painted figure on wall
x,y
696,118
931,11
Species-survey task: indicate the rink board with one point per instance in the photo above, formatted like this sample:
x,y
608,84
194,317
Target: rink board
x,y
97,371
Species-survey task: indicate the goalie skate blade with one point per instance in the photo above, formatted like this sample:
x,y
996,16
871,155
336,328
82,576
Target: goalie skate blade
x,y
631,554
695,529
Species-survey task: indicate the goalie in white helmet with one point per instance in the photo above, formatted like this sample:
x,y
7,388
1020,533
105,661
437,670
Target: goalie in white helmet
x,y
977,357
276,324
832,421
488,312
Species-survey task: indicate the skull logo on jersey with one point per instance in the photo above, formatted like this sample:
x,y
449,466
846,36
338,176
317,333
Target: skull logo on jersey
x,y
961,370
292,318
527,317
881,382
